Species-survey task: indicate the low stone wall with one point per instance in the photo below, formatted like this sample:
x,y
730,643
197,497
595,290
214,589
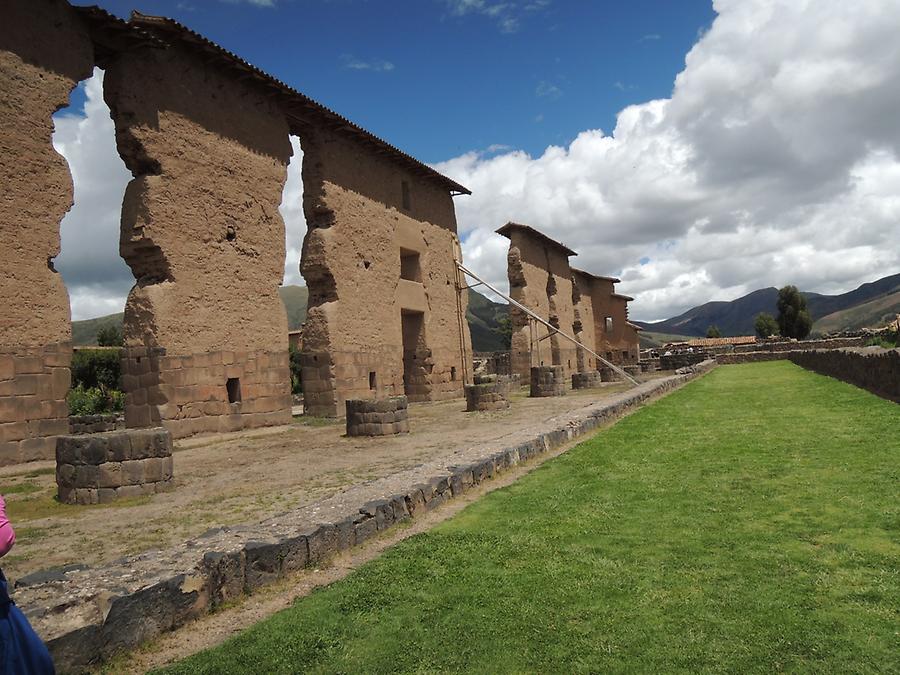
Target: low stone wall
x,y
795,345
386,417
494,363
607,374
87,615
633,369
750,357
95,424
681,360
874,369
100,468
488,393
548,381
587,380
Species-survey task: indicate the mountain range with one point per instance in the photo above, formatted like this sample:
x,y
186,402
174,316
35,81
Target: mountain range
x,y
868,305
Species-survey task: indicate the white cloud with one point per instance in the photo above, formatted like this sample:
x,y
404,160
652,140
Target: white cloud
x,y
508,15
292,212
258,3
97,278
375,65
775,161
547,90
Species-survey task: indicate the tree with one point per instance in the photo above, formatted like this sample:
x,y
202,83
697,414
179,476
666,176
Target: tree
x,y
110,336
765,325
504,329
793,318
713,332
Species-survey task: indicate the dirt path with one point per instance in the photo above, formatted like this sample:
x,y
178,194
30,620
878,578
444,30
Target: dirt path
x,y
248,477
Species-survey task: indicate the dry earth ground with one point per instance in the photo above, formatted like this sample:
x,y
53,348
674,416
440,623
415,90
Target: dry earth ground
x,y
250,476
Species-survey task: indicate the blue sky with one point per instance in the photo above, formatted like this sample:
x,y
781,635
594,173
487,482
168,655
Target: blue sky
x,y
437,82
698,150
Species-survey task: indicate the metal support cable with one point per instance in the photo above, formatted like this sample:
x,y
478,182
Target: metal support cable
x,y
547,323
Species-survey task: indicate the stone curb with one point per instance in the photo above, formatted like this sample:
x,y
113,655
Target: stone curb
x,y
87,616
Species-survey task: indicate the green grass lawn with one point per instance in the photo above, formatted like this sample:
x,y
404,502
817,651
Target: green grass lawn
x,y
747,523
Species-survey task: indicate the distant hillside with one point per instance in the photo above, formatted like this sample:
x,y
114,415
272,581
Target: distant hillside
x,y
483,317
651,340
869,314
736,317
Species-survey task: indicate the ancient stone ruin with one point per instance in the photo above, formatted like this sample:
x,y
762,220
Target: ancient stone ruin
x,y
581,304
206,137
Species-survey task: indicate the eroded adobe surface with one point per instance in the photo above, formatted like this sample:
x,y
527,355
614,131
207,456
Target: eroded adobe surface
x,y
540,278
44,52
205,329
384,315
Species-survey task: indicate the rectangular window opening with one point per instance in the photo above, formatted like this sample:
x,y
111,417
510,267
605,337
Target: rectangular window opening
x,y
404,190
410,265
609,324
453,373
373,381
233,387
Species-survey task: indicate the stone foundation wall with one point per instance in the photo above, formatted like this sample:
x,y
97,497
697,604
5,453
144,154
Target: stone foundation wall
x,y
797,345
548,381
95,424
33,386
874,369
488,393
386,417
750,357
100,468
218,391
586,380
676,361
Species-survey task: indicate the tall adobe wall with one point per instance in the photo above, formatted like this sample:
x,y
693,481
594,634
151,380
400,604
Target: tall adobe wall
x,y
370,224
583,328
205,329
601,298
44,52
540,278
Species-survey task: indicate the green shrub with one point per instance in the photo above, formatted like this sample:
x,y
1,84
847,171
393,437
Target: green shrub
x,y
296,383
97,368
889,340
94,400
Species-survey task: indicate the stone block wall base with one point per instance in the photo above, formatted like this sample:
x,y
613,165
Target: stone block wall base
x,y
586,380
100,468
34,382
548,381
488,393
214,392
377,418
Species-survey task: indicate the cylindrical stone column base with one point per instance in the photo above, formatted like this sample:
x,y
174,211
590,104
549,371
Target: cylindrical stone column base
x,y
587,380
100,468
490,392
548,381
607,374
386,417
633,370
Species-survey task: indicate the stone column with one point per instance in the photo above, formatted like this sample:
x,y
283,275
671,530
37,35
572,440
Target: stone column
x,y
44,52
205,329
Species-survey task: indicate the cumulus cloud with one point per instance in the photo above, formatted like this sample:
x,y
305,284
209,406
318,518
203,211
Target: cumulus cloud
x,y
97,278
775,161
292,213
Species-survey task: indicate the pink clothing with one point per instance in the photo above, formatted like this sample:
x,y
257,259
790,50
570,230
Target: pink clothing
x,y
7,534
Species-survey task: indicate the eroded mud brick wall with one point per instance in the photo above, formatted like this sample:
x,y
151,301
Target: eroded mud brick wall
x,y
602,289
44,52
623,342
205,330
583,326
540,278
384,316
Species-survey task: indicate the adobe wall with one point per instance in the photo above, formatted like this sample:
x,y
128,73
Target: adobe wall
x,y
357,225
583,328
540,279
203,236
601,291
44,52
622,340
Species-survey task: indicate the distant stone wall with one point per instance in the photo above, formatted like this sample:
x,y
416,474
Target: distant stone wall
x,y
100,468
874,369
750,357
794,345
682,360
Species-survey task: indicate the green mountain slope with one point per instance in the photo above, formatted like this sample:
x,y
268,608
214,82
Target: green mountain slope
x,y
868,314
736,317
483,316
